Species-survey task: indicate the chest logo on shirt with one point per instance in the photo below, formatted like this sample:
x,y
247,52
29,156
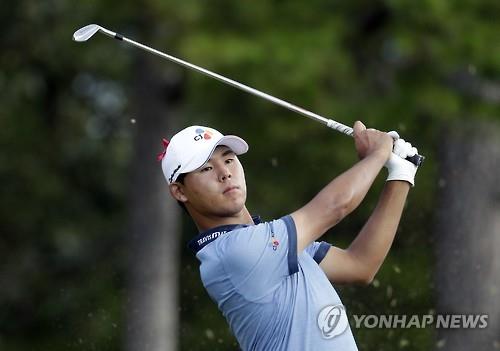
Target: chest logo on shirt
x,y
274,242
332,321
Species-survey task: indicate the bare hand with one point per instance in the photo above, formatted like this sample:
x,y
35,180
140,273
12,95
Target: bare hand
x,y
369,141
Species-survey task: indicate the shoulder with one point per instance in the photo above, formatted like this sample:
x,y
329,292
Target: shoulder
x,y
257,235
267,244
243,240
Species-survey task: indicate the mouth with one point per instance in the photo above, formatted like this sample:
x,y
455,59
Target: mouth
x,y
231,188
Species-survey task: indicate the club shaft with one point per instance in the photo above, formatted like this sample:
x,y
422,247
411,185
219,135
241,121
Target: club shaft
x,y
416,159
327,122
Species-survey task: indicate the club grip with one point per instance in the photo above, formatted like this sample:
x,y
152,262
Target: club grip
x,y
417,159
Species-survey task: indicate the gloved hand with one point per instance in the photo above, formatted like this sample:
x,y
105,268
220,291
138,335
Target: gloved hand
x,y
398,167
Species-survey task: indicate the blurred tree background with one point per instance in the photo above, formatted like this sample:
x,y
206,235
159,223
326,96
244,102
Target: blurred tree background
x,y
93,253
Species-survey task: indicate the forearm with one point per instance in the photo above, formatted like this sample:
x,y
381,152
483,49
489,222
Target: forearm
x,y
375,238
349,189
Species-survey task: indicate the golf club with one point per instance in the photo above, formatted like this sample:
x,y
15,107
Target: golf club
x,y
85,33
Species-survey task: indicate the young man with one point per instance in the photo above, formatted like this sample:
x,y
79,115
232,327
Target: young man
x,y
273,280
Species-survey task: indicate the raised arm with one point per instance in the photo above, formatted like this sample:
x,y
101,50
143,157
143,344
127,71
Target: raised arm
x,y
362,259
344,193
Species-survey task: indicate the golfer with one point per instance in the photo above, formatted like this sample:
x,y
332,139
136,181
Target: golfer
x,y
274,281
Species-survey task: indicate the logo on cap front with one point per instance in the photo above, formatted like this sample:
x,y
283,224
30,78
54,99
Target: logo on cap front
x,y
202,134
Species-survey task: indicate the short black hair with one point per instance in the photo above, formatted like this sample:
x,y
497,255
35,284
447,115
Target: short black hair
x,y
180,179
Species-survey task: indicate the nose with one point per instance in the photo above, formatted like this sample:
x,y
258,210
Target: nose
x,y
224,174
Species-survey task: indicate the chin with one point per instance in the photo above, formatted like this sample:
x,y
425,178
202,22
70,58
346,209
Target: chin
x,y
233,208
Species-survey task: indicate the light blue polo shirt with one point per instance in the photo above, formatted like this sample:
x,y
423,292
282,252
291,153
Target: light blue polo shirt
x,y
272,297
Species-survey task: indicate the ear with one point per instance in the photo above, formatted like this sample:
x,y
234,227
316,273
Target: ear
x,y
177,192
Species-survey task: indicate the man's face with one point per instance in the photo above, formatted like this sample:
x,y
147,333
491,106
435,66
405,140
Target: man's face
x,y
217,188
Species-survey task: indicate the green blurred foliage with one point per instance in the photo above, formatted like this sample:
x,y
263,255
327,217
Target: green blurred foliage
x,y
65,137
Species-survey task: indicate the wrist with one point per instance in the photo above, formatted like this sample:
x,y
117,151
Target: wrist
x,y
381,154
399,183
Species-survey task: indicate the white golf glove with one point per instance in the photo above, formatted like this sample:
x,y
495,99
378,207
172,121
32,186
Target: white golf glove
x,y
397,165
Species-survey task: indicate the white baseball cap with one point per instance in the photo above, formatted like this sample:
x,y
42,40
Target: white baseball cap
x,y
192,147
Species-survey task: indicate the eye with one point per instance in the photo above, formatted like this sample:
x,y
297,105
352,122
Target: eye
x,y
206,169
229,160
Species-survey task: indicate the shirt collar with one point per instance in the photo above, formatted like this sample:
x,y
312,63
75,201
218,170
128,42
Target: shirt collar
x,y
206,237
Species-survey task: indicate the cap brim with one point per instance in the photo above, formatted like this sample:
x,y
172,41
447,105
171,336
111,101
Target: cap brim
x,y
235,143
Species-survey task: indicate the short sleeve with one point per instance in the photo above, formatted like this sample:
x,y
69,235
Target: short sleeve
x,y
257,258
318,250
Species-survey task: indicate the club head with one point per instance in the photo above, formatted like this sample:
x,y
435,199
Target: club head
x,y
84,33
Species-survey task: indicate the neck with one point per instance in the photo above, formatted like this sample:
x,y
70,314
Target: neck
x,y
204,222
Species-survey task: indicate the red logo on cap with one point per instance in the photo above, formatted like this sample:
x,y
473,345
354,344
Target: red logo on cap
x,y
202,134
